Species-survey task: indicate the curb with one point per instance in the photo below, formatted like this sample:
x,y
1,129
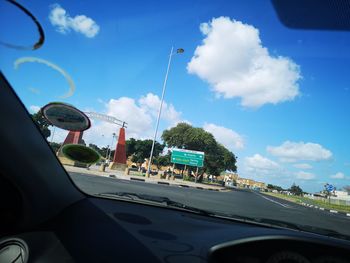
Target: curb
x,y
116,176
327,210
166,183
137,179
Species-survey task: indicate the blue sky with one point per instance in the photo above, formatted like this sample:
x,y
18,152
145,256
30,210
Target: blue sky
x,y
278,98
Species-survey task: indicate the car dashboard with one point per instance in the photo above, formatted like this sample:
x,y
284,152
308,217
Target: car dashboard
x,y
105,230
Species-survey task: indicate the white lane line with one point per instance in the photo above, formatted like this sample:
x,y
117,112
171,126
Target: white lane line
x,y
273,201
333,211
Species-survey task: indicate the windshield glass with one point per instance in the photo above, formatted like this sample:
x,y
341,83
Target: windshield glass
x,y
211,106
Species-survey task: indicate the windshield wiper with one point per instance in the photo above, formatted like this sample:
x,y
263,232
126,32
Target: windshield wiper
x,y
157,199
252,220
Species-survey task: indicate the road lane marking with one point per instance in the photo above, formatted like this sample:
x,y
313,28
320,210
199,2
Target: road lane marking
x,y
273,201
333,211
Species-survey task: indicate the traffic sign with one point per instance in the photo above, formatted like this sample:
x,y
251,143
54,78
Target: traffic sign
x,y
187,157
329,187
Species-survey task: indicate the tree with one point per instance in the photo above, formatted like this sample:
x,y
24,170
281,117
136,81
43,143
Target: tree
x,y
142,150
217,157
55,146
229,159
274,187
95,147
162,160
42,123
104,151
296,190
130,147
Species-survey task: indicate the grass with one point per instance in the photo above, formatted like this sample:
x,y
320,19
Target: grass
x,y
324,204
137,173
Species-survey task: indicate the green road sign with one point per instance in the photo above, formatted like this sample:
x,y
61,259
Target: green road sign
x,y
187,157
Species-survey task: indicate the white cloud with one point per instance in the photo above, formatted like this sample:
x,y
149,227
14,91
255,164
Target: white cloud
x,y
260,163
34,91
305,176
227,137
151,104
294,151
57,135
80,23
303,166
234,62
34,108
140,116
338,175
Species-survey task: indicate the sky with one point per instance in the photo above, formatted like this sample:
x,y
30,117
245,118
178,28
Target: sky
x,y
278,98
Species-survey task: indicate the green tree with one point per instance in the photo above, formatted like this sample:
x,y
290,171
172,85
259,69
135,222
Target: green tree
x,y
274,187
175,136
55,146
217,157
130,146
103,152
295,190
42,123
143,150
229,159
95,147
162,160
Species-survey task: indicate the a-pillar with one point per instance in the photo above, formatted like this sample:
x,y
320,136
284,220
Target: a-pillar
x,y
119,159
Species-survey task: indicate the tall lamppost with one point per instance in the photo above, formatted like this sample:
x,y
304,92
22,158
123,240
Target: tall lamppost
x,y
178,51
110,151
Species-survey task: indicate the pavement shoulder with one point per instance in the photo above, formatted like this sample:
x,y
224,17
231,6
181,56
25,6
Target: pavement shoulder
x,y
305,204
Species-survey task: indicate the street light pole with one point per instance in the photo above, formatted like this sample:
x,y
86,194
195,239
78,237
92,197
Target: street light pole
x,y
107,152
110,151
180,50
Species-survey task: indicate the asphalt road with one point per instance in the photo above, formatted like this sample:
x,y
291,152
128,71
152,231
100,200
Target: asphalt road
x,y
239,202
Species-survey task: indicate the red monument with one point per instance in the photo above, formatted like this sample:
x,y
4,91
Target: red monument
x,y
74,137
119,159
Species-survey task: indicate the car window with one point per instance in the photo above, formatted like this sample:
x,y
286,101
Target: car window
x,y
218,105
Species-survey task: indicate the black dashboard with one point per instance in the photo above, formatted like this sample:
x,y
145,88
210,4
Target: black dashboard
x,y
102,230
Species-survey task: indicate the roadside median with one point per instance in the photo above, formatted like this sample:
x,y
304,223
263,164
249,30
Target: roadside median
x,y
152,179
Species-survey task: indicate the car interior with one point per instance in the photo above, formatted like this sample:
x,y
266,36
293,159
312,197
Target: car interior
x,y
45,217
42,222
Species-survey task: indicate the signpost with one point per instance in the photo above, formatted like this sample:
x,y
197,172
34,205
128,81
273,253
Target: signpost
x,y
188,157
329,189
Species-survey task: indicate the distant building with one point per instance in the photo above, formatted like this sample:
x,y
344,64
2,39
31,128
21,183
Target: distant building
x,y
341,195
250,183
260,185
230,177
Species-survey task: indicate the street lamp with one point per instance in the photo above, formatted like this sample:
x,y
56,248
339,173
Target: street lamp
x,y
110,151
107,152
178,51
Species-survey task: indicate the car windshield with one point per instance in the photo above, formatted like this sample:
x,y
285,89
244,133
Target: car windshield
x,y
218,107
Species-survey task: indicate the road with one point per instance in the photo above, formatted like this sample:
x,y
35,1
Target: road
x,y
238,202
